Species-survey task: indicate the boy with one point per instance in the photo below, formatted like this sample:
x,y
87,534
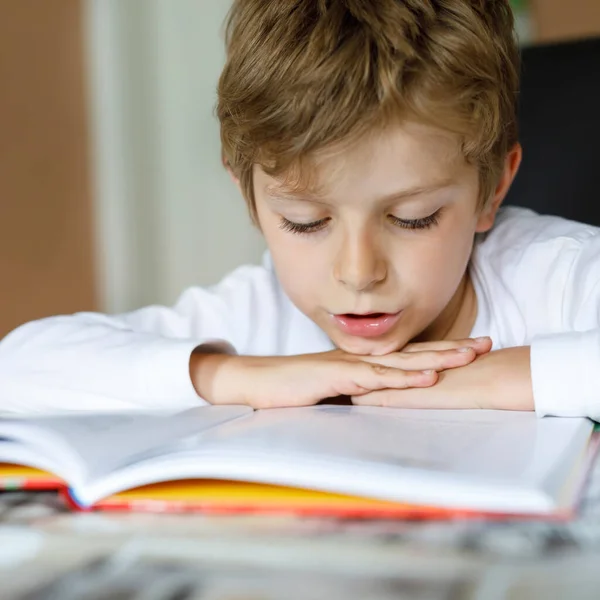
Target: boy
x,y
374,143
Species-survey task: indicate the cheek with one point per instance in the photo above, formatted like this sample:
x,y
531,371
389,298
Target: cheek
x,y
437,266
300,265
300,279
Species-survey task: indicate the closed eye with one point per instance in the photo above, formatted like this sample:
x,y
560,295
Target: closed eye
x,y
424,223
300,228
412,224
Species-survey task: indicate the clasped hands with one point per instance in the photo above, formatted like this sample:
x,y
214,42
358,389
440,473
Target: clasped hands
x,y
444,374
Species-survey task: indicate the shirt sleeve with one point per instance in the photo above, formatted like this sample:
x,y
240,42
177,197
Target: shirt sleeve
x,y
565,366
565,372
138,360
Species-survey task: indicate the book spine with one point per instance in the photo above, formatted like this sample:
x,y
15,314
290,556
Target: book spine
x,y
70,499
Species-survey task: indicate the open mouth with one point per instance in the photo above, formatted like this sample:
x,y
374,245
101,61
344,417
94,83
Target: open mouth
x,y
366,325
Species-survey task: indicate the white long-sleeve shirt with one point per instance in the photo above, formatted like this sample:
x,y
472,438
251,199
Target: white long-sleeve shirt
x,y
537,281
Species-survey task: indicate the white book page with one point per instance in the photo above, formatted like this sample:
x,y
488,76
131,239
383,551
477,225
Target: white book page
x,y
88,445
480,459
19,454
475,443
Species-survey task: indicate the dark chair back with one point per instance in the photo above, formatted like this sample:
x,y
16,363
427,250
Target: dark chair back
x,y
560,131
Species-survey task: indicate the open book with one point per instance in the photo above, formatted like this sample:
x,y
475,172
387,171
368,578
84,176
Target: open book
x,y
326,459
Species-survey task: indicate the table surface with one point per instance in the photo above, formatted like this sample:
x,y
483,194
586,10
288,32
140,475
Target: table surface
x,y
48,552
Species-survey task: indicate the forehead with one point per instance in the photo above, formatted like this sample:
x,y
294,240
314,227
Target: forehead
x,y
410,155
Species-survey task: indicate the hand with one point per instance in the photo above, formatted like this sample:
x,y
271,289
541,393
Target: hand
x,y
267,382
481,345
498,380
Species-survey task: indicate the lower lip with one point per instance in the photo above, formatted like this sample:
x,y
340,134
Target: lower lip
x,y
367,326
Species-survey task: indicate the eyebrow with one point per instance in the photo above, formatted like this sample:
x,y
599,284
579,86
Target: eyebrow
x,y
276,193
281,194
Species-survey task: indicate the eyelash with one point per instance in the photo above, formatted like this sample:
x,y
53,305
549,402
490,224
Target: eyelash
x,y
424,223
302,228
411,224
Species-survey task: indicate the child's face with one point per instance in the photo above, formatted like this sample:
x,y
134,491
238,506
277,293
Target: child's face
x,y
379,257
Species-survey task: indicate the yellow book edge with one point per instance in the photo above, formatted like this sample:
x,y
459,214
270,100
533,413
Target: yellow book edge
x,y
215,496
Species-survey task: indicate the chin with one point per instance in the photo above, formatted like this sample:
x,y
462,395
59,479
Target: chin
x,y
364,346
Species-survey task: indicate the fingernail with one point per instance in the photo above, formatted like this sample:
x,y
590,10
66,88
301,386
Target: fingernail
x,y
429,372
465,349
486,338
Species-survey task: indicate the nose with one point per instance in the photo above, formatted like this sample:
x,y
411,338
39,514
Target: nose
x,y
360,264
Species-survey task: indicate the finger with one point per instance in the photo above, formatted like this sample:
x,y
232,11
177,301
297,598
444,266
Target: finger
x,y
421,361
447,344
390,399
366,377
480,345
415,398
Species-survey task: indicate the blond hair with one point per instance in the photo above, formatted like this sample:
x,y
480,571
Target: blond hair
x,y
305,75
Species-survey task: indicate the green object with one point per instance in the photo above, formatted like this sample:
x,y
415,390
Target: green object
x,y
11,485
519,5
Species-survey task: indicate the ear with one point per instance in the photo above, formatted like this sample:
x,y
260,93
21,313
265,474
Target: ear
x,y
233,177
511,167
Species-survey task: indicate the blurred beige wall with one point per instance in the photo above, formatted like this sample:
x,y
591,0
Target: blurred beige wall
x,y
560,20
46,239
